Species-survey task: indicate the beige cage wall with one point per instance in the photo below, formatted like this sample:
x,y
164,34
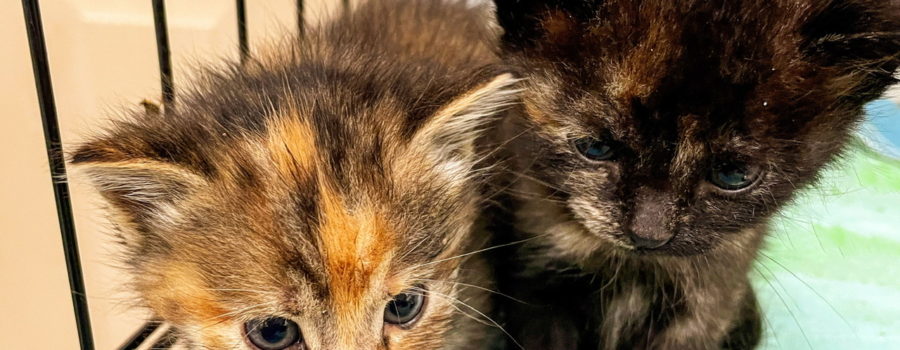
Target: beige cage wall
x,y
102,57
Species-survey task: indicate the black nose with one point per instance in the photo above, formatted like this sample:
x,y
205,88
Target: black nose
x,y
646,243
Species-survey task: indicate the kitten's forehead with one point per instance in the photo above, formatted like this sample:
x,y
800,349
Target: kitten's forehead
x,y
348,218
649,74
356,248
347,198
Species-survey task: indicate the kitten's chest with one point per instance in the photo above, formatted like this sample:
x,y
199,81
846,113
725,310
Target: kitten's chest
x,y
620,305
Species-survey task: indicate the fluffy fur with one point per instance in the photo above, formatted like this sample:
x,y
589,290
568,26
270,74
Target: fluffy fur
x,y
315,183
675,87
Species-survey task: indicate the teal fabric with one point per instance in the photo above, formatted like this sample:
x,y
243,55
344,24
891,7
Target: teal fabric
x,y
829,275
882,129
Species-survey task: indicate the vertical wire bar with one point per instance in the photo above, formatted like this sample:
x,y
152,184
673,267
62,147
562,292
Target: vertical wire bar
x,y
42,80
300,20
167,341
243,43
162,50
139,337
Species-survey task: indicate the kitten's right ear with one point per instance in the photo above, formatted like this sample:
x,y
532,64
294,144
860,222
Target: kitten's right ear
x,y
450,134
138,184
530,23
862,37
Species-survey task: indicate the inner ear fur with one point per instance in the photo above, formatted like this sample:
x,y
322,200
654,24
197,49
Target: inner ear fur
x,y
138,185
452,130
860,37
531,23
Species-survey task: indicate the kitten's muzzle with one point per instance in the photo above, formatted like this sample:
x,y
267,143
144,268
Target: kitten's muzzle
x,y
641,242
651,217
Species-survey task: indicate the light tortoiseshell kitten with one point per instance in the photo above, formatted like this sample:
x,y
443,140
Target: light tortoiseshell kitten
x,y
323,197
659,138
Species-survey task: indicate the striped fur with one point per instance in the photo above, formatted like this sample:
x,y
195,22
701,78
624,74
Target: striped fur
x,y
677,87
317,182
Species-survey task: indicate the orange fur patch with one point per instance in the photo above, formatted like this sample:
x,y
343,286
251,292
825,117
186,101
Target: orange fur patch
x,y
537,114
356,244
292,143
559,27
181,296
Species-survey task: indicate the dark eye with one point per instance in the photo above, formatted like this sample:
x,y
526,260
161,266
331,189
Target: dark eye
x,y
594,149
405,308
734,176
274,333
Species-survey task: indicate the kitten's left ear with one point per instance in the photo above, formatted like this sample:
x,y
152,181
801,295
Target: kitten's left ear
x,y
451,132
861,37
534,23
139,183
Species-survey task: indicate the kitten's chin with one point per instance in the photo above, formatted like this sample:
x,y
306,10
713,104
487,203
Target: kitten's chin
x,y
618,243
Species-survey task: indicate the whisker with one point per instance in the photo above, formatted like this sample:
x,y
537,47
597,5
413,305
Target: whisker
x,y
833,309
263,292
245,336
511,338
476,287
786,306
452,303
224,316
477,251
768,323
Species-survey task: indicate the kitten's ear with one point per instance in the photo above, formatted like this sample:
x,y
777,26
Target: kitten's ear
x,y
529,23
861,37
138,184
452,131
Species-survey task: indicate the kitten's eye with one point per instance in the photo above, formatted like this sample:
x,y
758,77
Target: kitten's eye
x,y
405,308
274,333
734,176
594,149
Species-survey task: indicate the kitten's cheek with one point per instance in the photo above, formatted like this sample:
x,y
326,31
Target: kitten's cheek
x,y
392,336
596,217
611,174
397,336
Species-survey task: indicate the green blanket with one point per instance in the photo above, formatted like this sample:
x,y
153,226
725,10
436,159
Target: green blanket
x,y
829,275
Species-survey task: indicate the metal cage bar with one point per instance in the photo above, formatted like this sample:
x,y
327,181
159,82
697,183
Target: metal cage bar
x,y
167,340
138,338
243,44
162,50
53,143
300,19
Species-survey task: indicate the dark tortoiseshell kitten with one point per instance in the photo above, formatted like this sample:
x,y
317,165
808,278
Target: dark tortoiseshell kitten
x,y
322,197
655,141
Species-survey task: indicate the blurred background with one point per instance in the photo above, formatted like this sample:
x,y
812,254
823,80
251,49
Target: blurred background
x,y
828,277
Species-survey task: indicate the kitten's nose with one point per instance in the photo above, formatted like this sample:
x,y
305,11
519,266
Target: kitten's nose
x,y
646,243
650,222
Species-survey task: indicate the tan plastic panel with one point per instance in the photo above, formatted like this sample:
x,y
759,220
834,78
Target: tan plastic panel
x,y
35,306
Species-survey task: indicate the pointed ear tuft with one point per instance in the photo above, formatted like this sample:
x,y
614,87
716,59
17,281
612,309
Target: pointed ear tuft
x,y
529,23
861,37
453,130
137,185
